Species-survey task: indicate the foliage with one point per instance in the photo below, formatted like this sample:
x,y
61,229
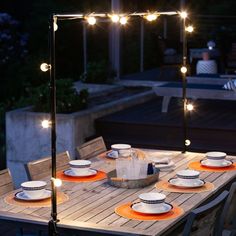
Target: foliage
x,y
98,72
68,100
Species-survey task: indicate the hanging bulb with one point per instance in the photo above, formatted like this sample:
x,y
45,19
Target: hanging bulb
x,y
91,20
151,17
189,29
183,14
183,69
115,18
45,67
187,142
55,26
46,124
123,20
190,107
57,182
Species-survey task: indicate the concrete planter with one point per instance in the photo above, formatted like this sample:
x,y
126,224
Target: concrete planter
x,y
26,140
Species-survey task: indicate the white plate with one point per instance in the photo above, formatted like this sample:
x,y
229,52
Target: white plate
x,y
22,196
113,154
225,163
71,173
179,183
138,207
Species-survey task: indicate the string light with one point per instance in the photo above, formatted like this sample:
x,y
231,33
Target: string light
x,y
123,20
151,17
183,69
57,182
91,20
190,107
55,26
46,124
45,67
183,14
187,142
115,18
189,29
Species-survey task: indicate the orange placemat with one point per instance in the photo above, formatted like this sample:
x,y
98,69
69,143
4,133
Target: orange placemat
x,y
164,185
99,176
196,165
10,199
126,211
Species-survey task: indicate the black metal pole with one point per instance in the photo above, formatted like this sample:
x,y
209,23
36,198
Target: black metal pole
x,y
184,86
53,221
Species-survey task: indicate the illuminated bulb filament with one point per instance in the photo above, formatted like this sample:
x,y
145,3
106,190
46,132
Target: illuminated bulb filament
x,y
189,29
183,14
183,69
91,20
57,182
187,142
115,18
123,20
46,124
189,107
55,26
151,17
45,67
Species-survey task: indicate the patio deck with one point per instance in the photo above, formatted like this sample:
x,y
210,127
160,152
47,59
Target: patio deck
x,y
212,126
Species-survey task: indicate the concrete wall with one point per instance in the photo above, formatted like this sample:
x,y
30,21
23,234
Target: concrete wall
x,y
26,140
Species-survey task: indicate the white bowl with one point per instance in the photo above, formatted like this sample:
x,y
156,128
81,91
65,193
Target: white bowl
x,y
80,167
215,157
188,176
152,200
34,189
122,149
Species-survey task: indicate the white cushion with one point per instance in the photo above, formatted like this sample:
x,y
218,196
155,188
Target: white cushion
x,y
230,85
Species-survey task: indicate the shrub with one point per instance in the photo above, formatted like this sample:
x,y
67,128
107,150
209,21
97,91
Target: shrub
x,y
68,100
98,73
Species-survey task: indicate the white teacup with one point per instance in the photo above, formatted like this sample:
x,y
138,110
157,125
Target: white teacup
x,y
188,176
34,189
152,200
80,167
215,158
123,150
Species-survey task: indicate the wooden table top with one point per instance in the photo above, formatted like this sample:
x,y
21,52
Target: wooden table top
x,y
91,205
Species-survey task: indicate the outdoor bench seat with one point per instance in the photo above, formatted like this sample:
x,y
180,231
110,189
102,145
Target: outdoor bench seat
x,y
193,91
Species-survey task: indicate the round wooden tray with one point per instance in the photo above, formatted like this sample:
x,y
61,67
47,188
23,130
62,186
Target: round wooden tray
x,y
130,183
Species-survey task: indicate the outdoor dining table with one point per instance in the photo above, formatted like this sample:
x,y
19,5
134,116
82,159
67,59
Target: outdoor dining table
x,y
90,207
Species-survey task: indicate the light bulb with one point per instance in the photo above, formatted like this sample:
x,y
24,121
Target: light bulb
x,y
183,14
55,26
187,142
91,20
46,124
151,17
45,67
115,18
189,107
189,29
123,20
183,69
57,182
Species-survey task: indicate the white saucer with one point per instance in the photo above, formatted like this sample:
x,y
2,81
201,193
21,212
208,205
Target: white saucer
x,y
71,173
138,207
193,184
22,196
113,154
224,163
